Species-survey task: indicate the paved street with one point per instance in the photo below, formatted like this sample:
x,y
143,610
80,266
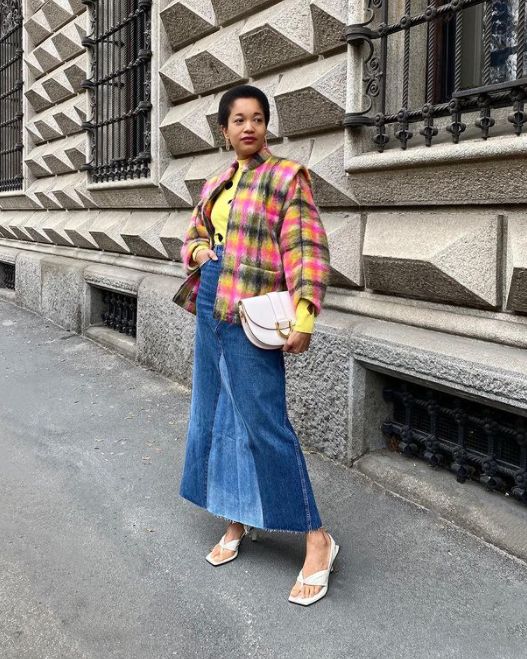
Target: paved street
x,y
100,558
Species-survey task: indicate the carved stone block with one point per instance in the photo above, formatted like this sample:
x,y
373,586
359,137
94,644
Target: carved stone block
x,y
187,21
277,37
185,128
175,76
216,61
173,183
433,256
517,263
313,96
329,22
330,183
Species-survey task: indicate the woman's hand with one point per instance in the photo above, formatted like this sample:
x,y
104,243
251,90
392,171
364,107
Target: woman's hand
x,y
204,255
297,342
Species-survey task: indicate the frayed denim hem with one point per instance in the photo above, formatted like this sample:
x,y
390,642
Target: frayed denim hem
x,y
240,521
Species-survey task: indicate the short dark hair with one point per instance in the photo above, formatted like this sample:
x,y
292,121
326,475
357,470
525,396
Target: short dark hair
x,y
242,91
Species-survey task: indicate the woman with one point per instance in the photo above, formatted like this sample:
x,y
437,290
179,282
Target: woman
x,y
254,230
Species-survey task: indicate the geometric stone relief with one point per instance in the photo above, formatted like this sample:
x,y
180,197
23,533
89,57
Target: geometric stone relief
x,y
326,164
141,233
216,61
188,20
175,77
516,277
33,226
59,157
6,219
32,64
228,10
38,28
277,36
70,192
68,41
345,231
185,128
433,256
53,228
34,5
58,12
173,233
16,226
38,97
329,22
202,168
60,84
47,56
312,96
59,120
39,191
173,183
106,230
58,48
298,149
77,229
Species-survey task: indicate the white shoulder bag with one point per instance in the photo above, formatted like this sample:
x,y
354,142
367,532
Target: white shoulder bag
x,y
267,319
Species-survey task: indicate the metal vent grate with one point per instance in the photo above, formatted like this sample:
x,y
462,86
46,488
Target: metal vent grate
x,y
11,84
472,440
7,276
119,312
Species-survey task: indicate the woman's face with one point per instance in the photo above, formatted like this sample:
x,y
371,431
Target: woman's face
x,y
246,128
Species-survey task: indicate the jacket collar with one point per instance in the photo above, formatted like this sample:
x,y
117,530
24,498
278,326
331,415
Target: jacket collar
x,y
253,162
257,158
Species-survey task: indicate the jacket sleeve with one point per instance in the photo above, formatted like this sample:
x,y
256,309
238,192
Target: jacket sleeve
x,y
195,235
304,244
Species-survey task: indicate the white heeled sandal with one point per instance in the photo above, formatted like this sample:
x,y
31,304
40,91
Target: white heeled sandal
x,y
317,579
233,545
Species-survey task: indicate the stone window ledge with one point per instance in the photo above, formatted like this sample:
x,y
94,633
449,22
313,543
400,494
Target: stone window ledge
x,y
493,149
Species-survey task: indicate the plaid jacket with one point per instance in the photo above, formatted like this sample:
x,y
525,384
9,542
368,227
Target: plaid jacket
x,y
275,239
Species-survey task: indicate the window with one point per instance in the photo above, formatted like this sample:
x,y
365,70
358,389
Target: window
x,y
119,87
444,59
11,84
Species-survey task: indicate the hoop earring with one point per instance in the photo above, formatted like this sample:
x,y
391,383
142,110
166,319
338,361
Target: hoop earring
x,y
227,144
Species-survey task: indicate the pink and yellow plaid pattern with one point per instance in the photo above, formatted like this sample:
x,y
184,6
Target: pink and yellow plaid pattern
x,y
275,239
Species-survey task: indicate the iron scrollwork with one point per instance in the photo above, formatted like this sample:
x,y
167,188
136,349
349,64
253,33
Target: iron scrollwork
x,y
503,80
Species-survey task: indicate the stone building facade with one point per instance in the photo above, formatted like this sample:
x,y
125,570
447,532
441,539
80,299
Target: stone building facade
x,y
109,132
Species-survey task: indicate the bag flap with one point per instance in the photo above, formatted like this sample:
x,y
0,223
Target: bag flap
x,y
260,310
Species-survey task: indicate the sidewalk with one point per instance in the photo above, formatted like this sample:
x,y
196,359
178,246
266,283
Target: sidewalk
x,y
100,558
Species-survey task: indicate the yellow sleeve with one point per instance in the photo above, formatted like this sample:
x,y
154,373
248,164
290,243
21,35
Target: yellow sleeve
x,y
305,317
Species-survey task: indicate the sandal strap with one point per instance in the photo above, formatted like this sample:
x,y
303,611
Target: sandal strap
x,y
232,545
317,579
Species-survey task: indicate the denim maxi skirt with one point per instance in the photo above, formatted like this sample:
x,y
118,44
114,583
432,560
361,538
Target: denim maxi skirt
x,y
243,459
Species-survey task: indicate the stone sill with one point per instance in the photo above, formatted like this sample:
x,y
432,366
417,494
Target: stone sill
x,y
123,185
497,519
141,263
109,338
7,294
498,327
495,148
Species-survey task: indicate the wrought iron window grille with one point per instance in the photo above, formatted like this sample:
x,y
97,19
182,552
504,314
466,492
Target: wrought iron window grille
x,y
454,48
120,89
7,276
11,86
472,440
119,312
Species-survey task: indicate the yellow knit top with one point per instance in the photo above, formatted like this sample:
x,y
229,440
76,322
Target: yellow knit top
x,y
305,319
